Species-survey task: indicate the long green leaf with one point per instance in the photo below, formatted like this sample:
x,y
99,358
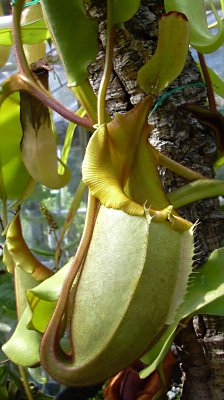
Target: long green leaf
x,y
214,308
68,139
170,56
196,190
157,353
75,36
205,295
206,292
200,36
222,4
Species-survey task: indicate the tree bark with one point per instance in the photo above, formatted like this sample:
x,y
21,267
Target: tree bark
x,y
179,135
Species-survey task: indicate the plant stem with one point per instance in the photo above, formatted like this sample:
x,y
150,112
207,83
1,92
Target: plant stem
x,y
44,96
30,84
4,199
17,37
107,67
18,82
25,383
177,168
72,211
42,252
4,213
87,98
211,97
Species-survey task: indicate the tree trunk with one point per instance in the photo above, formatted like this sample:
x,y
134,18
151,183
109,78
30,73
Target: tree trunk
x,y
179,135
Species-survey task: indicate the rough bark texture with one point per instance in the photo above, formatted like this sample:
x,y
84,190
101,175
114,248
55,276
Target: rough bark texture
x,y
179,135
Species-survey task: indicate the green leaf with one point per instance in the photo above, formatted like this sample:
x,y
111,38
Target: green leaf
x,y
217,82
42,314
200,36
206,291
32,33
214,308
13,174
124,10
222,5
75,37
43,298
157,353
23,346
170,56
23,282
196,190
205,295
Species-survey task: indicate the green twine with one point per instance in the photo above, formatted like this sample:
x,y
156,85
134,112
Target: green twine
x,y
167,94
29,3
